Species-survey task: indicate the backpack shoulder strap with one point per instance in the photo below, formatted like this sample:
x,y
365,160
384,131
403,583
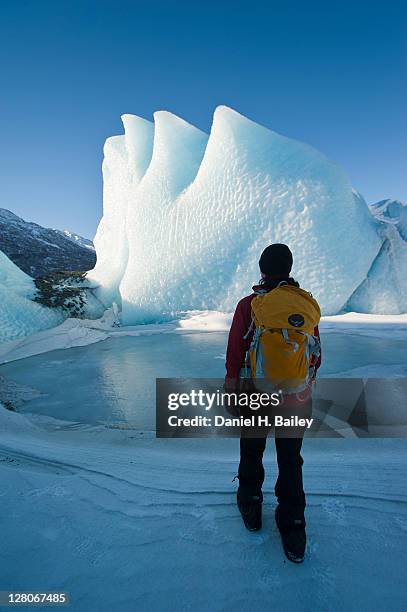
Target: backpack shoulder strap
x,y
247,334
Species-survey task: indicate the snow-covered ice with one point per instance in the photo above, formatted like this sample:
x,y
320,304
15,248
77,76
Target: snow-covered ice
x,y
15,280
19,315
127,523
156,236
126,159
385,288
392,211
199,217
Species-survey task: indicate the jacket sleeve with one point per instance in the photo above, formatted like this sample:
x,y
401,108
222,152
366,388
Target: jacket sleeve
x,y
237,345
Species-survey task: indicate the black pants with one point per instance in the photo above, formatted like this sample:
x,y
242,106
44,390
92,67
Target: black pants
x,y
289,487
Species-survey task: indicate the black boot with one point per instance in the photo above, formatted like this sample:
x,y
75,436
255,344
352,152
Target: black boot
x,y
250,509
293,536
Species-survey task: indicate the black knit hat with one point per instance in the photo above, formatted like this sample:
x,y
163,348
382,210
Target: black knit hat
x,y
276,261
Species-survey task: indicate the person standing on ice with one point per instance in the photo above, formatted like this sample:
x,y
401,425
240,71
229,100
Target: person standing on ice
x,y
274,338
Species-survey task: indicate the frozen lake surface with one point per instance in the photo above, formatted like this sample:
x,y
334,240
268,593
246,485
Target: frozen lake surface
x,y
113,382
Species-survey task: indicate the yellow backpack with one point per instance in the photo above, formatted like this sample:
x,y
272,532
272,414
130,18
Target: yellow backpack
x,y
283,340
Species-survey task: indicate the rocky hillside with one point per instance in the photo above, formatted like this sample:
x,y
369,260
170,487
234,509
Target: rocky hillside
x,y
38,250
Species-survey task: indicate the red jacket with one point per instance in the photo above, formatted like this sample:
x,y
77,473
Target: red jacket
x,y
237,345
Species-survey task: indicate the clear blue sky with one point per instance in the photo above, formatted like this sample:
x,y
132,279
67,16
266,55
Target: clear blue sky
x,y
330,73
